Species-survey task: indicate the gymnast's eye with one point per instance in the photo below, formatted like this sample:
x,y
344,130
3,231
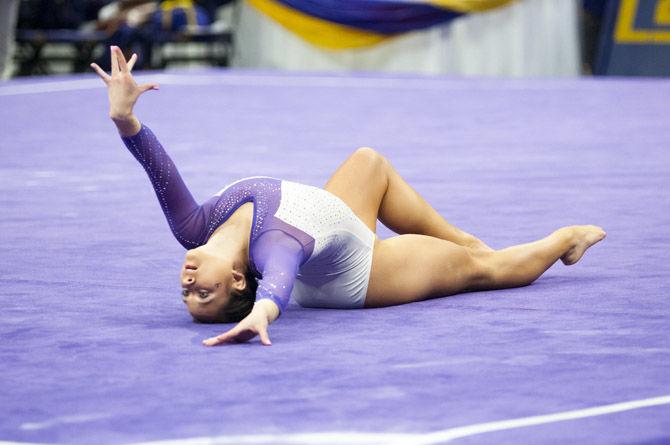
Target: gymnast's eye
x,y
184,292
202,294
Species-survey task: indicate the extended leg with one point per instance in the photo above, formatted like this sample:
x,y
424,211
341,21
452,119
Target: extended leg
x,y
521,265
370,185
414,267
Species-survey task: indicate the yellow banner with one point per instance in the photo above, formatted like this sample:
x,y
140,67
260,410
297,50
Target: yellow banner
x,y
469,5
316,31
335,36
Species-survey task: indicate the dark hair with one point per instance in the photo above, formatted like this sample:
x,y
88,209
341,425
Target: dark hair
x,y
241,301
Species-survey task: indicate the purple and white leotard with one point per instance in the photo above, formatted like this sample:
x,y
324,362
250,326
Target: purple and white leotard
x,y
305,242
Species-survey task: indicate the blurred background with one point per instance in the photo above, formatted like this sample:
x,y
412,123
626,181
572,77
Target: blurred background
x,y
510,38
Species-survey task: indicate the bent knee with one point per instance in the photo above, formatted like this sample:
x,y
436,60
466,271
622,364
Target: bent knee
x,y
369,157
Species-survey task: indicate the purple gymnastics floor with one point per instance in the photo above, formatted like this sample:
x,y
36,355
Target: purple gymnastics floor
x,y
97,348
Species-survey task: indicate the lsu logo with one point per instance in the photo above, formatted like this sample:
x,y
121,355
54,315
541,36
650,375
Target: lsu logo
x,y
643,21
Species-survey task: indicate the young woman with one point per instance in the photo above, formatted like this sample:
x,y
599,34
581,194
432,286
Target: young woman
x,y
260,241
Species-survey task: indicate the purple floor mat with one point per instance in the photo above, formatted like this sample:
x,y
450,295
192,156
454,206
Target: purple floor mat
x,y
97,348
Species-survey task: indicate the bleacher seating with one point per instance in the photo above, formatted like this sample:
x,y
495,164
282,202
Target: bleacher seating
x,y
32,58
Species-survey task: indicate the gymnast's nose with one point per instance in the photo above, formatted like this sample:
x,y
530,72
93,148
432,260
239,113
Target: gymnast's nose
x,y
187,279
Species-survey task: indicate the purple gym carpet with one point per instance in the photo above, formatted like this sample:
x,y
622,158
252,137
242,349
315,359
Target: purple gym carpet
x,y
97,347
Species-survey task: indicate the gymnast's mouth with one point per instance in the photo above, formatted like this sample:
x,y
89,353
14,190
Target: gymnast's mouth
x,y
190,267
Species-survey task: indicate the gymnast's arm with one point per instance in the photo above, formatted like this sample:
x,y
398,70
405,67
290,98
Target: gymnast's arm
x,y
185,217
279,257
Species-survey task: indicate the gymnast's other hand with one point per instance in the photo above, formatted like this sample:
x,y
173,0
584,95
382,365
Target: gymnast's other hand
x,y
123,91
256,323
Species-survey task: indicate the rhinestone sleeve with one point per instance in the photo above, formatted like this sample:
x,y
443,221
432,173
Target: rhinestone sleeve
x,y
279,257
186,218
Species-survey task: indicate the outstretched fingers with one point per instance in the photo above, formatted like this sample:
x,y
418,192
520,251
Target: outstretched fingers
x,y
103,75
114,59
265,338
238,336
131,62
148,86
114,54
123,65
129,67
223,338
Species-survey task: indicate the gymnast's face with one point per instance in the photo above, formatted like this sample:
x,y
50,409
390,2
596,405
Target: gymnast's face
x,y
206,281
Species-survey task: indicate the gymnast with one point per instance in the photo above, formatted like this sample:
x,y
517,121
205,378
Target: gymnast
x,y
261,241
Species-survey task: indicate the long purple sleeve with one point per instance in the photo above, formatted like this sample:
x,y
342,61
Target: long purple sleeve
x,y
278,257
186,218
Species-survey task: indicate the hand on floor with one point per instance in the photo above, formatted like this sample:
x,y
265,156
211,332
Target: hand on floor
x,y
256,323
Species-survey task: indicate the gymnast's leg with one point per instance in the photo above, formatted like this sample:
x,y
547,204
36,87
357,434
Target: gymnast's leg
x,y
410,268
368,183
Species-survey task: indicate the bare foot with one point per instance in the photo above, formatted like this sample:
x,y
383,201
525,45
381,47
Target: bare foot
x,y
583,238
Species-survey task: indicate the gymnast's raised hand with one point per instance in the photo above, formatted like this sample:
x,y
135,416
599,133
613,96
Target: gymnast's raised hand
x,y
123,91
